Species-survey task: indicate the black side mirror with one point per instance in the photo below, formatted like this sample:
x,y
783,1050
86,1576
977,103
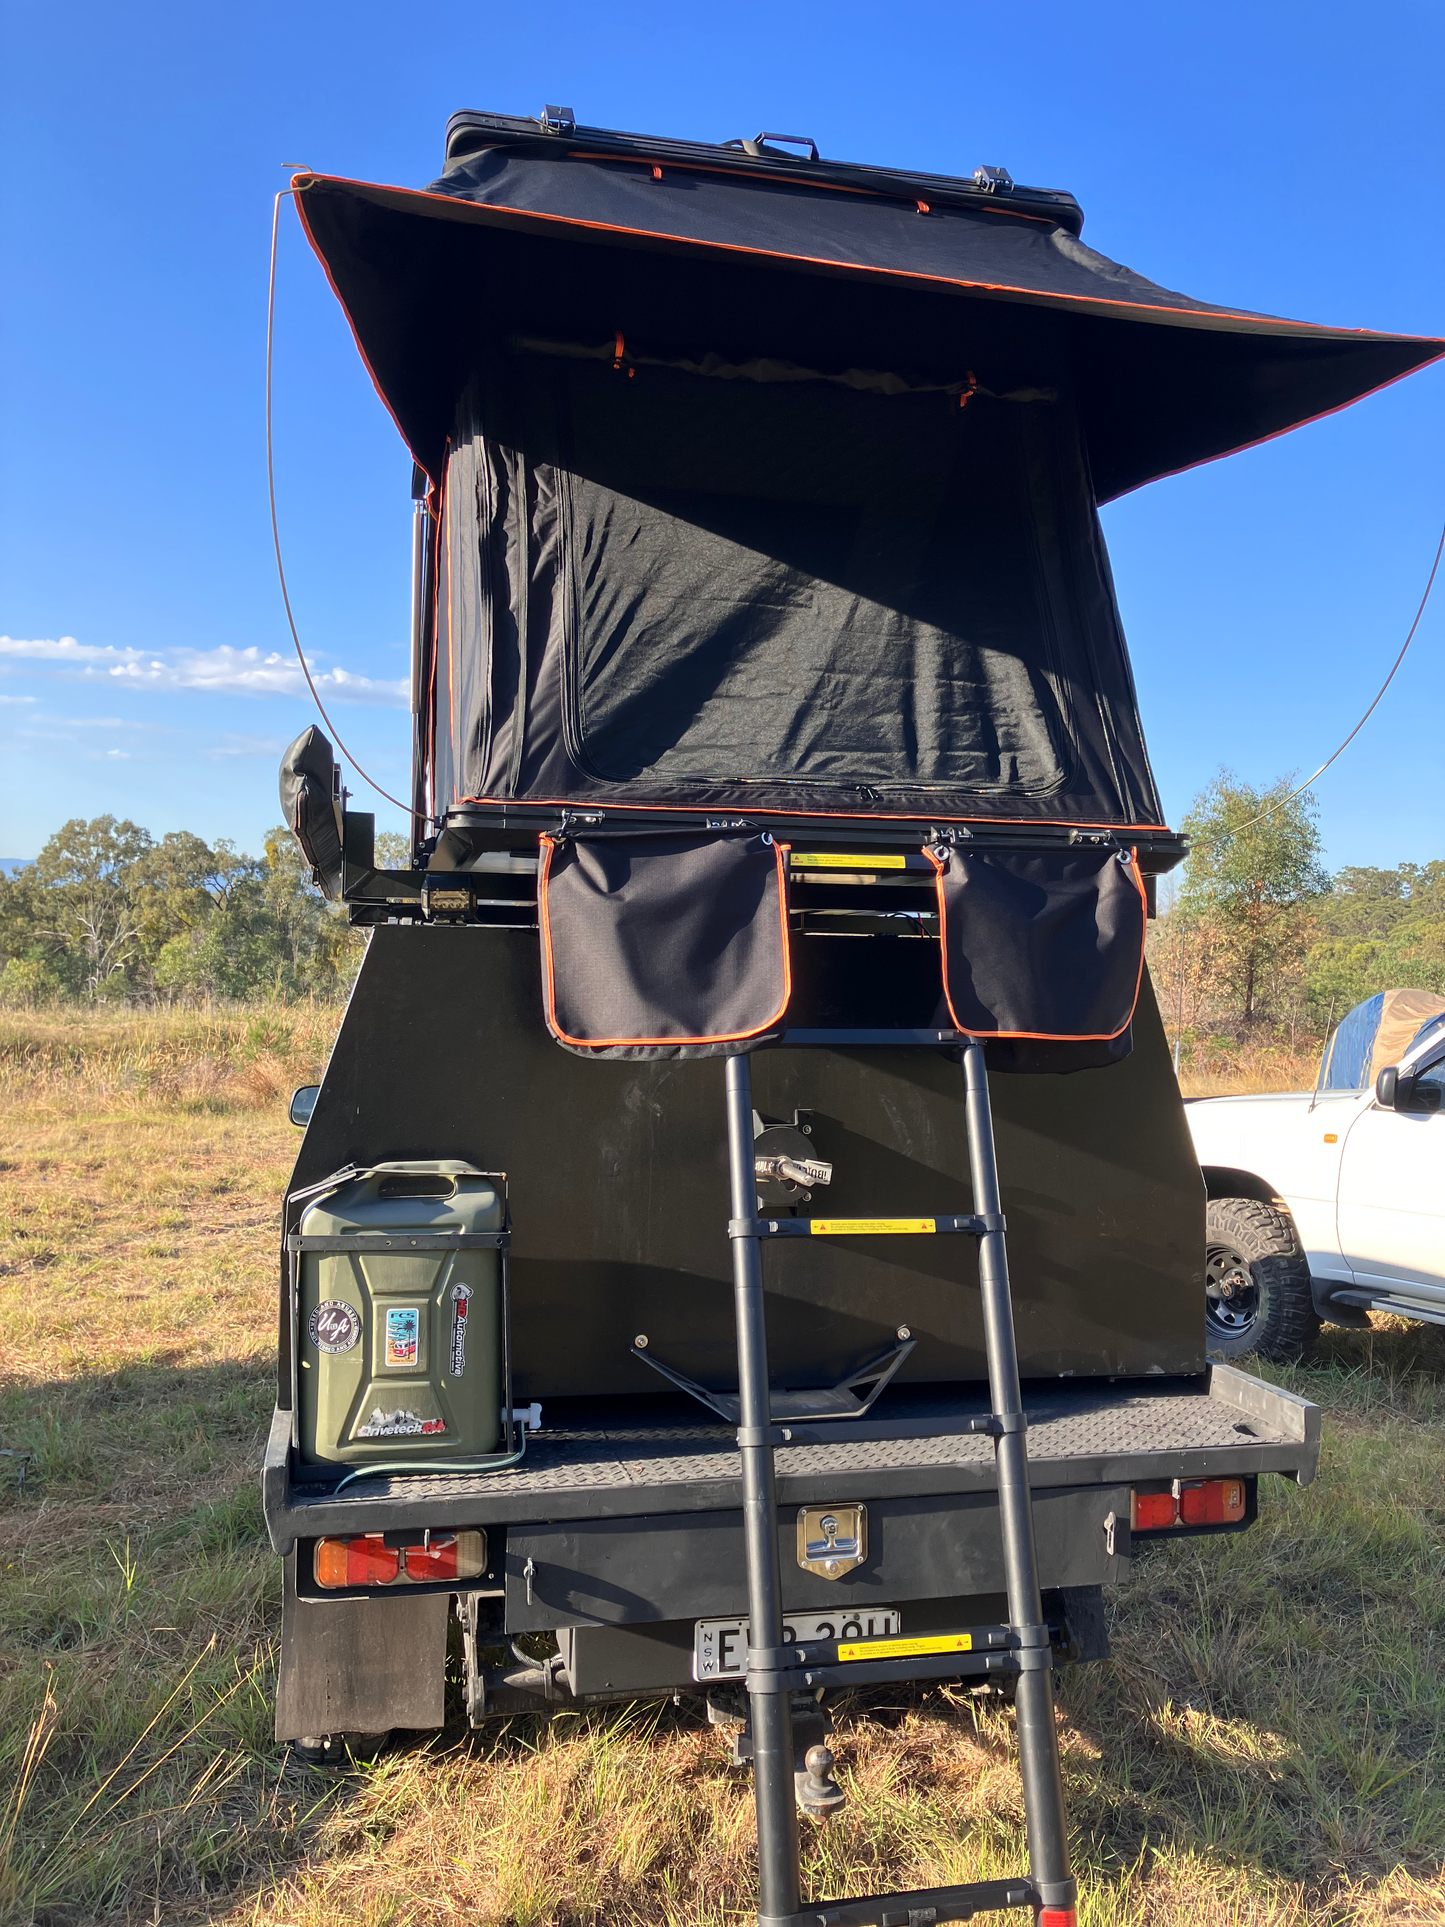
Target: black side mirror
x,y
303,1103
1395,1090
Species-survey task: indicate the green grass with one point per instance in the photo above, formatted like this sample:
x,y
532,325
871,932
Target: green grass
x,y
1264,1747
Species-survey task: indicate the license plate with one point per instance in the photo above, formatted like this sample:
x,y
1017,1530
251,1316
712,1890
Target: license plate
x,y
720,1646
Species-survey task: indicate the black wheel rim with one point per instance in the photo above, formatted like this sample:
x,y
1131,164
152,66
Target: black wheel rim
x,y
1233,1298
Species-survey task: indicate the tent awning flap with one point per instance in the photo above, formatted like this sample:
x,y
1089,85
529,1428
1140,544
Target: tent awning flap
x,y
691,265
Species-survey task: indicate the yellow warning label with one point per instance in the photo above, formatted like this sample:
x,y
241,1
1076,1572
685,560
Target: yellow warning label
x,y
907,1648
866,1227
834,860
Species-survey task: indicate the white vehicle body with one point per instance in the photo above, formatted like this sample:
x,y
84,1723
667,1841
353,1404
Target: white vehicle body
x,y
1363,1182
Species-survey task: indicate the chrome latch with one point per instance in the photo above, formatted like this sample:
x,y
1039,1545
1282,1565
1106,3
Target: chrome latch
x,y
832,1539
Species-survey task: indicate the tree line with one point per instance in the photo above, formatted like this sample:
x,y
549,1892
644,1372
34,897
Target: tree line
x,y
1260,937
1255,935
107,912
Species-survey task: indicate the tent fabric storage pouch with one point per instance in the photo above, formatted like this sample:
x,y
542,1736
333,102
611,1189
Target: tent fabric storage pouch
x,y
1045,946
666,945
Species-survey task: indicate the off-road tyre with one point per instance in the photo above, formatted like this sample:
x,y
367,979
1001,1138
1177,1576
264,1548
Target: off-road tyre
x,y
337,1752
1273,1316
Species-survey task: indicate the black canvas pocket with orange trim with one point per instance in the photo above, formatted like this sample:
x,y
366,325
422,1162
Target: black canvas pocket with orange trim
x,y
665,945
1042,946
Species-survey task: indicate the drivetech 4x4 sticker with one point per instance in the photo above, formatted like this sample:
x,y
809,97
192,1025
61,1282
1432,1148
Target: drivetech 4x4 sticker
x,y
461,1300
333,1326
399,1425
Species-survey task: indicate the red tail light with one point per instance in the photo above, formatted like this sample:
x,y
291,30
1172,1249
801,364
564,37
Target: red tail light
x,y
1193,1502
1154,1510
1213,1502
370,1561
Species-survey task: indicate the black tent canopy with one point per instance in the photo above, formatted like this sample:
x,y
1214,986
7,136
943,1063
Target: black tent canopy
x,y
765,485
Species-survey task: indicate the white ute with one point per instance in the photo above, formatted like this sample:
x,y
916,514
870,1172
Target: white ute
x,y
1325,1204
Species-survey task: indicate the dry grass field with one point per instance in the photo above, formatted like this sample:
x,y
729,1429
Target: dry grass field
x,y
1264,1747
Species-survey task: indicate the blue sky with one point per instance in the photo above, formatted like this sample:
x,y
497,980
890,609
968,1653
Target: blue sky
x,y
1288,157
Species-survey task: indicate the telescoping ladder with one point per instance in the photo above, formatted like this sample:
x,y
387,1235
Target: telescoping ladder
x,y
776,1671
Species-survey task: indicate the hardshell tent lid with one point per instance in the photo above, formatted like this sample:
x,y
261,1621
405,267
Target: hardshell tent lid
x,y
767,486
1378,1032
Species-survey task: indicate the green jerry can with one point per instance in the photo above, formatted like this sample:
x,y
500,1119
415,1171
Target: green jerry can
x,y
401,1349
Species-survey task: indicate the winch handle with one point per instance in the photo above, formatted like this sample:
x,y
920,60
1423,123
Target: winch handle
x,y
755,146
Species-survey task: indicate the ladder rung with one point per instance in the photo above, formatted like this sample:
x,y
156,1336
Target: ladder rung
x,y
877,1662
884,1672
918,1909
970,1227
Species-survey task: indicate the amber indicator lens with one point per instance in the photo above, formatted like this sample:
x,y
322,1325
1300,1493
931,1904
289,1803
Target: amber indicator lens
x,y
1194,1502
370,1561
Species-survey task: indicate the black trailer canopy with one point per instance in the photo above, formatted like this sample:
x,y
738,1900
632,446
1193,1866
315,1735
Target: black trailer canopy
x,y
764,484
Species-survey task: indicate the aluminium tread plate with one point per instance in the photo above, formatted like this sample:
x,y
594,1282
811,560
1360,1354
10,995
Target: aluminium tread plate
x,y
597,1471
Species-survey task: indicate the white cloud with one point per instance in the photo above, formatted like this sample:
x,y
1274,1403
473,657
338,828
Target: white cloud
x,y
223,671
232,745
19,699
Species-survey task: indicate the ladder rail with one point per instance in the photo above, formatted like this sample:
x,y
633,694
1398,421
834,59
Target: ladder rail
x,y
1034,1694
771,1708
773,1671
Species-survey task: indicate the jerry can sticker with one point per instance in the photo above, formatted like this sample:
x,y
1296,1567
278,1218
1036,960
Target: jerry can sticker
x,y
399,1425
334,1326
461,1300
403,1324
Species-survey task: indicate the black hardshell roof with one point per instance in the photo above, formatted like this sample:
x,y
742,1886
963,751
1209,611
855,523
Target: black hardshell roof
x,y
470,133
689,246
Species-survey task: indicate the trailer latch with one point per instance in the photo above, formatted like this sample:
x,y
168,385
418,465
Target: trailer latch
x,y
1118,1536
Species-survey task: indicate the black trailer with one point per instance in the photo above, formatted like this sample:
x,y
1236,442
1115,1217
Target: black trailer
x,y
748,1227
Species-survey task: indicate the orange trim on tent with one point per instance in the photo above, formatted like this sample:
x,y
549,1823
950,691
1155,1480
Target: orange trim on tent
x,y
434,510
451,627
549,999
1037,1036
299,182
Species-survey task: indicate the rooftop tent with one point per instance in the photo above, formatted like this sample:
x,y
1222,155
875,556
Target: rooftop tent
x,y
767,484
1378,1032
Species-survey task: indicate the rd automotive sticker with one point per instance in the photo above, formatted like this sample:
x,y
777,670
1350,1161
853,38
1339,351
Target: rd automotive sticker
x,y
461,1300
333,1326
403,1323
